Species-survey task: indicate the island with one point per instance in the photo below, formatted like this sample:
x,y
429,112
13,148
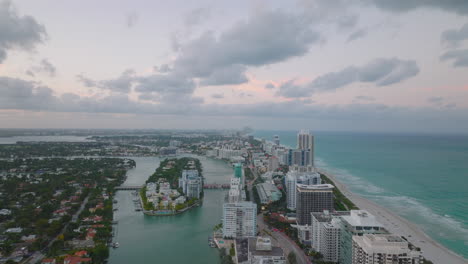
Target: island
x,y
175,187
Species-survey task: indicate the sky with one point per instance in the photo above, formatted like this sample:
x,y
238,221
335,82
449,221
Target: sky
x,y
345,65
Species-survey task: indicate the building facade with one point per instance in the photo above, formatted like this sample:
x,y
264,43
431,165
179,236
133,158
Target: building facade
x,y
239,220
312,198
384,249
358,223
326,234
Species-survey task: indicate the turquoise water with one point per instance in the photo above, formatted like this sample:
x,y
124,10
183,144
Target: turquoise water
x,y
423,178
180,238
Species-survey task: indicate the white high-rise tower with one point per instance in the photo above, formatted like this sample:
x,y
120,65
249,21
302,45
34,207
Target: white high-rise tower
x,y
305,141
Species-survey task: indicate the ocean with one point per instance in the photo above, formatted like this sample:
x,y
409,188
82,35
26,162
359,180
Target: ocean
x,y
421,177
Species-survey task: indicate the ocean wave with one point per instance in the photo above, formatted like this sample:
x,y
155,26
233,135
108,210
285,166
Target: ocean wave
x,y
353,182
442,226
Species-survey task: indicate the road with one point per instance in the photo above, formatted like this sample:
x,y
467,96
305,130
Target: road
x,y
283,241
37,256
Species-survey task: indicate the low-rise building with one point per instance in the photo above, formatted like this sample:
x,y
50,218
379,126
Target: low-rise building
x,y
384,249
258,250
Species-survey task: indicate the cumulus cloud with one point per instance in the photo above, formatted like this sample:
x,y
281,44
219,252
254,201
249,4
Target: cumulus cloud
x,y
229,75
18,32
44,67
196,16
380,72
172,83
270,85
266,38
459,58
455,6
23,95
454,37
357,34
122,83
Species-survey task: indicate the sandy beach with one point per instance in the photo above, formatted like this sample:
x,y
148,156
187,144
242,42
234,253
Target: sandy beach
x,y
431,249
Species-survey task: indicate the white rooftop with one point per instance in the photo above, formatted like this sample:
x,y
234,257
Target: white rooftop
x,y
361,218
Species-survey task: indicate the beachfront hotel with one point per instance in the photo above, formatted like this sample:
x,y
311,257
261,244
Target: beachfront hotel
x,y
357,223
312,198
326,234
383,249
305,141
294,177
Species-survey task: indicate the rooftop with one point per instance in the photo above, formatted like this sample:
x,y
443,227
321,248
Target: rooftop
x,y
361,218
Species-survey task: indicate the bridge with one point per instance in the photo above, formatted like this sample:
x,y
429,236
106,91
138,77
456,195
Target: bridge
x,y
205,186
129,187
216,186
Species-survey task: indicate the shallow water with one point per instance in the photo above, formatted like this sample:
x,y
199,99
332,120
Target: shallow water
x,y
423,178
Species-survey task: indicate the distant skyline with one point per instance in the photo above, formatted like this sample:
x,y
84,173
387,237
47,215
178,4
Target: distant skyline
x,y
369,65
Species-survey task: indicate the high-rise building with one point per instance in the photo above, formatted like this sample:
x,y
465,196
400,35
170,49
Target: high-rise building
x,y
194,188
305,141
295,177
384,249
326,234
358,223
312,198
239,220
300,157
276,140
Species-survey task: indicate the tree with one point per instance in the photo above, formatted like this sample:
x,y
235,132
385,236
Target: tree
x,y
100,253
292,258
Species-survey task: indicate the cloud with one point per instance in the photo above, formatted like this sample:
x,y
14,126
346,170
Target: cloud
x,y
131,19
265,38
380,72
44,67
196,16
364,98
171,83
347,22
217,96
270,85
18,32
459,58
122,83
453,37
86,81
455,6
18,94
357,34
229,75
211,59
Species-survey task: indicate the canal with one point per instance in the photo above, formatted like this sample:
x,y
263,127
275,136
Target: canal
x,y
170,239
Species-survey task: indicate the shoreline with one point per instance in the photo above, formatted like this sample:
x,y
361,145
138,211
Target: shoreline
x,y
431,249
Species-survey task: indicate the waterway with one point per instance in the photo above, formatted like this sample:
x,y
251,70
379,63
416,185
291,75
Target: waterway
x,y
170,239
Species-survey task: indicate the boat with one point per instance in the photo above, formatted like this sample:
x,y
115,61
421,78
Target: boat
x,y
115,244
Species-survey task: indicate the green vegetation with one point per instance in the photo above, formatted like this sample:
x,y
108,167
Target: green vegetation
x,y
248,174
292,258
65,149
171,170
224,257
342,203
44,194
